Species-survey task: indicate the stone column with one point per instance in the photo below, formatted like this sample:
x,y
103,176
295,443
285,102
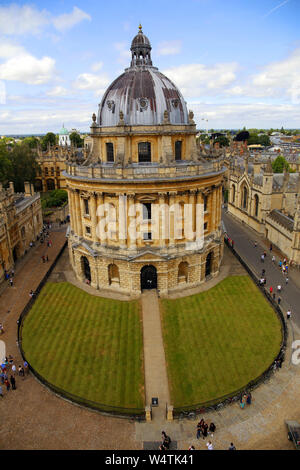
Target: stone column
x,y
199,218
78,214
100,220
192,214
172,195
71,209
93,209
122,220
163,225
131,232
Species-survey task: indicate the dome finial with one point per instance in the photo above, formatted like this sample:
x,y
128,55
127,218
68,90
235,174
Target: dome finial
x,y
140,28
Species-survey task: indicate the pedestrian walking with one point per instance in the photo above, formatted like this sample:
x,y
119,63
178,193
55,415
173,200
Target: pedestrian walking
x,y
1,392
274,296
273,259
249,398
255,244
11,282
1,329
288,314
279,300
286,280
7,384
211,429
279,288
14,369
199,429
232,446
209,445
271,290
262,258
26,368
271,247
13,382
263,272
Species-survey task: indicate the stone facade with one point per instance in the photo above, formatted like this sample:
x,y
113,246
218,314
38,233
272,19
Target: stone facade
x,y
268,202
20,223
145,204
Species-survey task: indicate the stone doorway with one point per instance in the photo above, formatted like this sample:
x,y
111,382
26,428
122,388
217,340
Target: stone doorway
x,y
148,277
208,264
86,268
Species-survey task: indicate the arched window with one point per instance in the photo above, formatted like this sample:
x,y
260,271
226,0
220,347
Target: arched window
x,y
256,203
109,152
178,150
183,271
38,185
50,185
244,197
113,274
233,194
144,150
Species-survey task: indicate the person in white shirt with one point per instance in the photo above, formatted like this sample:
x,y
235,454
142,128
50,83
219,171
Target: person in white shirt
x,y
288,314
210,446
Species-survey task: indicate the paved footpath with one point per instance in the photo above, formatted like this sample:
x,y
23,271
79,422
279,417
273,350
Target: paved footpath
x,y
34,418
244,239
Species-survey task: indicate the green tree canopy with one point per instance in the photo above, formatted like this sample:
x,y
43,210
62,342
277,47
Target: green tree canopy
x,y
49,138
55,198
222,140
279,164
76,139
32,142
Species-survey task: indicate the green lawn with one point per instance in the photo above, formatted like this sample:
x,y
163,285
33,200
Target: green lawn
x,y
90,346
219,340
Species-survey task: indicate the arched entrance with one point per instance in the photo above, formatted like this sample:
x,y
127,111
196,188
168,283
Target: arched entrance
x,y
148,277
208,264
86,268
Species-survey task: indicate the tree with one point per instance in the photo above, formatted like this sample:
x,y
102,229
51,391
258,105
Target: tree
x,y
49,138
242,136
55,198
264,140
222,140
279,164
5,163
76,140
32,142
23,166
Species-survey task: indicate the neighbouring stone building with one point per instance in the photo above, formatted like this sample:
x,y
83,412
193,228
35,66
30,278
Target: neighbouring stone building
x,y
20,223
268,202
52,163
145,204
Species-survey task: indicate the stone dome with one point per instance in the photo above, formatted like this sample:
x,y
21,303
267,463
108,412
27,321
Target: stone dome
x,y
142,93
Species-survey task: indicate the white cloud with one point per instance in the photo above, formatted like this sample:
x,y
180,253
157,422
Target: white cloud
x,y
58,91
68,20
16,20
169,48
195,80
27,19
26,68
92,82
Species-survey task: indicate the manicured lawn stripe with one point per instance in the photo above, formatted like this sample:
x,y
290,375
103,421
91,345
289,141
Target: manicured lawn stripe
x,y
87,345
218,340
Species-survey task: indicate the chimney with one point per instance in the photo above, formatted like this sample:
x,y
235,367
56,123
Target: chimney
x,y
27,189
31,189
11,186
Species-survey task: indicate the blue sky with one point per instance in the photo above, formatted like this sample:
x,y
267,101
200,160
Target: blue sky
x,y
237,62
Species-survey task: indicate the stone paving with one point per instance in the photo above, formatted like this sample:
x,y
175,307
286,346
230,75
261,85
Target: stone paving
x,y
34,418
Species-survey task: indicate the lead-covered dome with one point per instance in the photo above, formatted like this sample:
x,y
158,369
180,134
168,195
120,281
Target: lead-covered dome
x,y
142,93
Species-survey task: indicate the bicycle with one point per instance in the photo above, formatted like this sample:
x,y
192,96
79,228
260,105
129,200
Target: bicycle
x,y
187,414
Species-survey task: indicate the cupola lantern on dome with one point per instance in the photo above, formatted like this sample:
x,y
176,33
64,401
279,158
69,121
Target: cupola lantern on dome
x,y
140,49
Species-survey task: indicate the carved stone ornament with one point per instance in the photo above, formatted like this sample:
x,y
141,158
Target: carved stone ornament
x,y
111,105
143,103
175,102
94,117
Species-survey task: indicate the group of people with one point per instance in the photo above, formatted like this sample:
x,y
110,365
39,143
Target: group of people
x,y
246,399
8,374
203,429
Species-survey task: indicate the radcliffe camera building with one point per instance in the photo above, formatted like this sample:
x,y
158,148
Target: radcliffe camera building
x,y
145,204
